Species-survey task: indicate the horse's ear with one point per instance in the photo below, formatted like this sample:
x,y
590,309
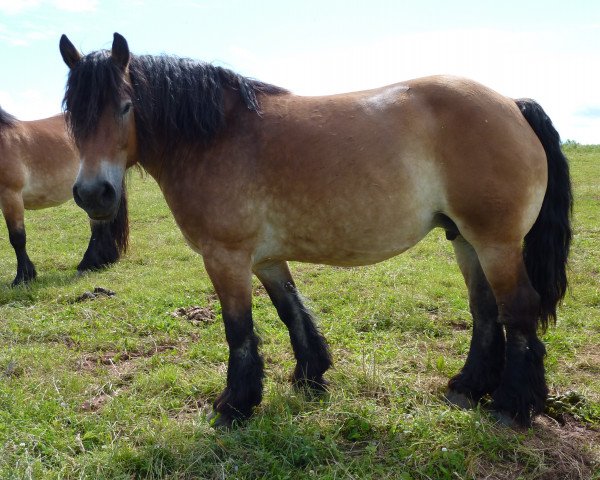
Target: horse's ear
x,y
120,51
68,51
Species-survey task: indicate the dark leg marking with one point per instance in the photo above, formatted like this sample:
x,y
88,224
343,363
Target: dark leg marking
x,y
312,354
483,368
25,268
244,371
102,250
522,391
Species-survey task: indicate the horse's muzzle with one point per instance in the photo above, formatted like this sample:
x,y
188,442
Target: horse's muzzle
x,y
99,199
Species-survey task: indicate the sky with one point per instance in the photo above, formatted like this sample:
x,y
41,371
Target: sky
x,y
547,50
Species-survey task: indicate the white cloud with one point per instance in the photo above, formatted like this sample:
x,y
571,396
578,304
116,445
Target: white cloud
x,y
14,7
6,101
29,104
76,5
26,36
531,64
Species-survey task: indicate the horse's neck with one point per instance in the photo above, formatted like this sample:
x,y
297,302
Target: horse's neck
x,y
158,164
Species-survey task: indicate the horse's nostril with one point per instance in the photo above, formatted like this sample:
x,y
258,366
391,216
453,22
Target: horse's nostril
x,y
76,196
108,193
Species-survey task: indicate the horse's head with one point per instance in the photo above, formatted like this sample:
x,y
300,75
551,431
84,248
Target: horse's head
x,y
99,106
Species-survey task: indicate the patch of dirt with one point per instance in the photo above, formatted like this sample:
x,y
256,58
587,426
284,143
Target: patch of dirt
x,y
567,452
193,408
122,374
433,312
459,325
122,366
97,402
99,292
573,451
196,315
114,359
260,291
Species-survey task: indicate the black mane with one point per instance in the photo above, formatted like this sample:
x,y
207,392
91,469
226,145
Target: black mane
x,y
6,119
175,99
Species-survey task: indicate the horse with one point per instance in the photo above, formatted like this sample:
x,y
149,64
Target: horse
x,y
38,164
256,176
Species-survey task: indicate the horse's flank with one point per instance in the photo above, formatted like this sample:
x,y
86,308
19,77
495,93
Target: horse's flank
x,y
38,159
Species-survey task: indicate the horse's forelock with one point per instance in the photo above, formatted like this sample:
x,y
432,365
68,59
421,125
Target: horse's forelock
x,y
93,84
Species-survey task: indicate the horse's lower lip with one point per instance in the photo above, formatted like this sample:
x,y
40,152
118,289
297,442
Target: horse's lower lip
x,y
101,217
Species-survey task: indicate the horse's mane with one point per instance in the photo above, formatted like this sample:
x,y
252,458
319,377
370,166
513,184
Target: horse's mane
x,y
175,99
6,119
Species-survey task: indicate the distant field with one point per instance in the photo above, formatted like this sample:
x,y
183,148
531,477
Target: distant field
x,y
119,387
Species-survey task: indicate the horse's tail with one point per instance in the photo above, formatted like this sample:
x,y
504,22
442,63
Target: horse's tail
x,y
547,244
119,226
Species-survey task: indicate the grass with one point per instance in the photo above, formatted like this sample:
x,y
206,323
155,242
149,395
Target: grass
x,y
119,387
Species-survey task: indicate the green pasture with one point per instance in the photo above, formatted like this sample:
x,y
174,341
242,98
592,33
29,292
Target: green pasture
x,y
119,387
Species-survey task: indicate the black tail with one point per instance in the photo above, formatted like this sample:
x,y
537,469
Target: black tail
x,y
109,240
547,244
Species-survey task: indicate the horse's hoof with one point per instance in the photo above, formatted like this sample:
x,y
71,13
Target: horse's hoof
x,y
20,281
219,421
24,277
459,400
311,388
505,419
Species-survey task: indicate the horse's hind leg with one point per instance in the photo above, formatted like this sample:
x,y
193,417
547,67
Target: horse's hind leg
x,y
522,390
13,210
485,361
102,250
310,348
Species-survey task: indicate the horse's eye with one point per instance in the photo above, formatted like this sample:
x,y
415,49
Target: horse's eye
x,y
126,108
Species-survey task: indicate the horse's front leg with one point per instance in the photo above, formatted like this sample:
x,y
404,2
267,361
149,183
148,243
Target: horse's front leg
x,y
310,348
231,275
13,210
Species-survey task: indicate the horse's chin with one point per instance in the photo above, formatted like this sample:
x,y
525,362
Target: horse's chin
x,y
103,216
108,218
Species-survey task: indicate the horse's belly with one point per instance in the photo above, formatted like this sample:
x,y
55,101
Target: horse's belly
x,y
349,257
46,191
352,243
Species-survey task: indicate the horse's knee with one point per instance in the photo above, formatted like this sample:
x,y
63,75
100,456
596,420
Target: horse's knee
x,y
521,310
17,238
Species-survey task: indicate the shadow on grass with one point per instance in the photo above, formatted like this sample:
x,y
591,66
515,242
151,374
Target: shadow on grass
x,y
28,294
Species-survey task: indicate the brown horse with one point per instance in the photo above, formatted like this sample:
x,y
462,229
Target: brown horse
x,y
38,165
256,176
